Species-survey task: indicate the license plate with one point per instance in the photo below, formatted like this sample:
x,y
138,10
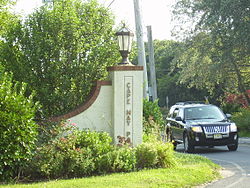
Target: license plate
x,y
217,136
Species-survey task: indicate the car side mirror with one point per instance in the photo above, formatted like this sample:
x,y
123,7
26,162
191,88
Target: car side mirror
x,y
228,116
178,118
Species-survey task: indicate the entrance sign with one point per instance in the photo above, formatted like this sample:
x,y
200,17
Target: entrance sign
x,y
114,106
128,83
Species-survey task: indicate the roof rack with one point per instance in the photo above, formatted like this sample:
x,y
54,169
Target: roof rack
x,y
190,102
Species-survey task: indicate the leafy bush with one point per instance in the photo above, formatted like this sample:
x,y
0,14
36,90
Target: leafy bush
x,y
151,138
234,102
165,154
18,131
152,117
151,110
242,119
230,108
154,153
121,159
69,152
48,131
146,156
98,142
60,158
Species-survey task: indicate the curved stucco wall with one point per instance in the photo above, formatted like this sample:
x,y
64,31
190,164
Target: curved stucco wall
x,y
95,113
98,116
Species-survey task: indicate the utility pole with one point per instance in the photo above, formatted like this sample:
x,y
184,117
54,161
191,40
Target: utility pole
x,y
152,63
140,46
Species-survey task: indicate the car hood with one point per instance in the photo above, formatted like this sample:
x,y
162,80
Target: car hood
x,y
207,123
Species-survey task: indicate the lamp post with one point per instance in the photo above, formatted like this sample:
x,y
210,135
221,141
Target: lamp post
x,y
125,39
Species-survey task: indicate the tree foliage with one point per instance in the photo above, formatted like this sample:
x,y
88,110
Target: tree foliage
x,y
168,74
7,19
217,53
60,50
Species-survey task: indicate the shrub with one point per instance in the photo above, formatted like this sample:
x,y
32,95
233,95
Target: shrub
x,y
48,131
230,108
146,156
234,102
69,152
165,154
18,131
242,119
152,117
98,142
154,153
61,159
151,138
121,159
152,111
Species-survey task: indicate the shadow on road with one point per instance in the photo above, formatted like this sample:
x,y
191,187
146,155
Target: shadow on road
x,y
204,149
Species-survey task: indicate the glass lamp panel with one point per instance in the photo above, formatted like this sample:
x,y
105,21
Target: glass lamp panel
x,y
126,42
120,42
130,43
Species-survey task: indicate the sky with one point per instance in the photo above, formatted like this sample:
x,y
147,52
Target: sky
x,y
156,13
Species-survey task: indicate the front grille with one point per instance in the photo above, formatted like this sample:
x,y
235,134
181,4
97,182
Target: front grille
x,y
216,129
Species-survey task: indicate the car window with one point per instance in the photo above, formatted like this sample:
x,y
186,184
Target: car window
x,y
175,113
204,112
181,113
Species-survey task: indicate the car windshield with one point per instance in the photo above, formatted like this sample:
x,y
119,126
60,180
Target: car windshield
x,y
204,112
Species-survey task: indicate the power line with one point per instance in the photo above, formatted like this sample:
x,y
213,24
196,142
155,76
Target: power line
x,y
111,3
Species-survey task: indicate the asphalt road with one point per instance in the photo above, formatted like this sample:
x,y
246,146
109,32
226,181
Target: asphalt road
x,y
236,165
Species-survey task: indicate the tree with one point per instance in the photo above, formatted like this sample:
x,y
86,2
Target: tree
x,y
168,74
219,43
6,18
60,50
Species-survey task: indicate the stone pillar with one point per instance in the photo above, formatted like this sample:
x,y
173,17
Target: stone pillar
x,y
127,83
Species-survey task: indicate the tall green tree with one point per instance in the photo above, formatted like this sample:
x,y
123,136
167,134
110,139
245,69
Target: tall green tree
x,y
7,19
166,55
60,50
218,52
5,15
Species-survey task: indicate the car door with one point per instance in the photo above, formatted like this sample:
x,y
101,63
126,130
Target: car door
x,y
175,127
179,124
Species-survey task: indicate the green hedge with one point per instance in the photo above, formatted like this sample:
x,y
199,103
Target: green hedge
x,y
75,153
152,117
70,153
242,119
18,131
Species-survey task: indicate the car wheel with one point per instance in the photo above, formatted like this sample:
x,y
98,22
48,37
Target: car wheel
x,y
174,145
172,140
233,147
188,146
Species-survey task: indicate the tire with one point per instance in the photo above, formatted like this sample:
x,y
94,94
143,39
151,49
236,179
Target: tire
x,y
173,141
233,147
188,146
174,145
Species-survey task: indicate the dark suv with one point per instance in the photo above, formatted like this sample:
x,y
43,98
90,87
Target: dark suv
x,y
196,124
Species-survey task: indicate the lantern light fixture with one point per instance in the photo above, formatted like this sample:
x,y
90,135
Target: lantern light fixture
x,y
125,39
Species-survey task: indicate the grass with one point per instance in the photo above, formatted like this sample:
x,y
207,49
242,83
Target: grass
x,y
191,170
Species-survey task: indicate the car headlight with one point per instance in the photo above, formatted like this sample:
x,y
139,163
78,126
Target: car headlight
x,y
233,127
197,129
